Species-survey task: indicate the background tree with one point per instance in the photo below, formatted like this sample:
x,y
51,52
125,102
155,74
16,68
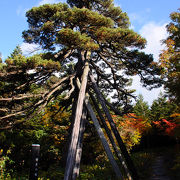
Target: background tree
x,y
161,108
132,128
141,108
50,130
165,121
170,58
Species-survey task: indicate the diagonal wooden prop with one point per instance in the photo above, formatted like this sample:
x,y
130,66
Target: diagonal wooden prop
x,y
110,136
102,137
128,160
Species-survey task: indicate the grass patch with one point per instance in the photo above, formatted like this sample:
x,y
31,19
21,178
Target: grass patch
x,y
143,162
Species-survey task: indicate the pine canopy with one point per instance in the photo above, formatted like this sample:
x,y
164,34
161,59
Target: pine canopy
x,y
71,34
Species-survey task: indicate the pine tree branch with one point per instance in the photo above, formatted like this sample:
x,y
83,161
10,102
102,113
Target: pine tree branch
x,y
19,97
6,74
55,87
63,54
3,110
41,77
40,104
72,88
12,115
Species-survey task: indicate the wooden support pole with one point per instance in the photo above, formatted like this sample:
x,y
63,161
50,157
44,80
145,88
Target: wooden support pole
x,y
108,131
101,135
75,132
124,151
79,146
103,139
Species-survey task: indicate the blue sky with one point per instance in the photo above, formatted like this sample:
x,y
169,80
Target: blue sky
x,y
148,17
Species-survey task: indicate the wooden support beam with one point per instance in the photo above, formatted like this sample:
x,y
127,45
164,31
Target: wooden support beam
x,y
75,132
124,151
109,134
101,135
103,139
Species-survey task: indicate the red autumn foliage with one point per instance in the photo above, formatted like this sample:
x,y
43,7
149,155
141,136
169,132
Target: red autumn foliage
x,y
131,128
137,122
166,126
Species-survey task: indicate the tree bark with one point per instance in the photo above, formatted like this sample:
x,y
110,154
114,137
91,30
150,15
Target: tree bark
x,y
75,133
71,119
80,145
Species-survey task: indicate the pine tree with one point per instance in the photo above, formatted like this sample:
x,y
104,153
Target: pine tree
x,y
93,31
141,108
161,108
80,38
16,52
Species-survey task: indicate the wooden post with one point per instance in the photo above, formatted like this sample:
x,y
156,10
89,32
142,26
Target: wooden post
x,y
79,146
129,162
103,139
108,131
75,132
34,162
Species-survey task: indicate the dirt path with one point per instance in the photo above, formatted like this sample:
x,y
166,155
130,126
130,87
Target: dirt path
x,y
159,171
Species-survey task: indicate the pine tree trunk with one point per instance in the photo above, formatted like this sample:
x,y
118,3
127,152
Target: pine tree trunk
x,y
79,146
71,119
75,132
